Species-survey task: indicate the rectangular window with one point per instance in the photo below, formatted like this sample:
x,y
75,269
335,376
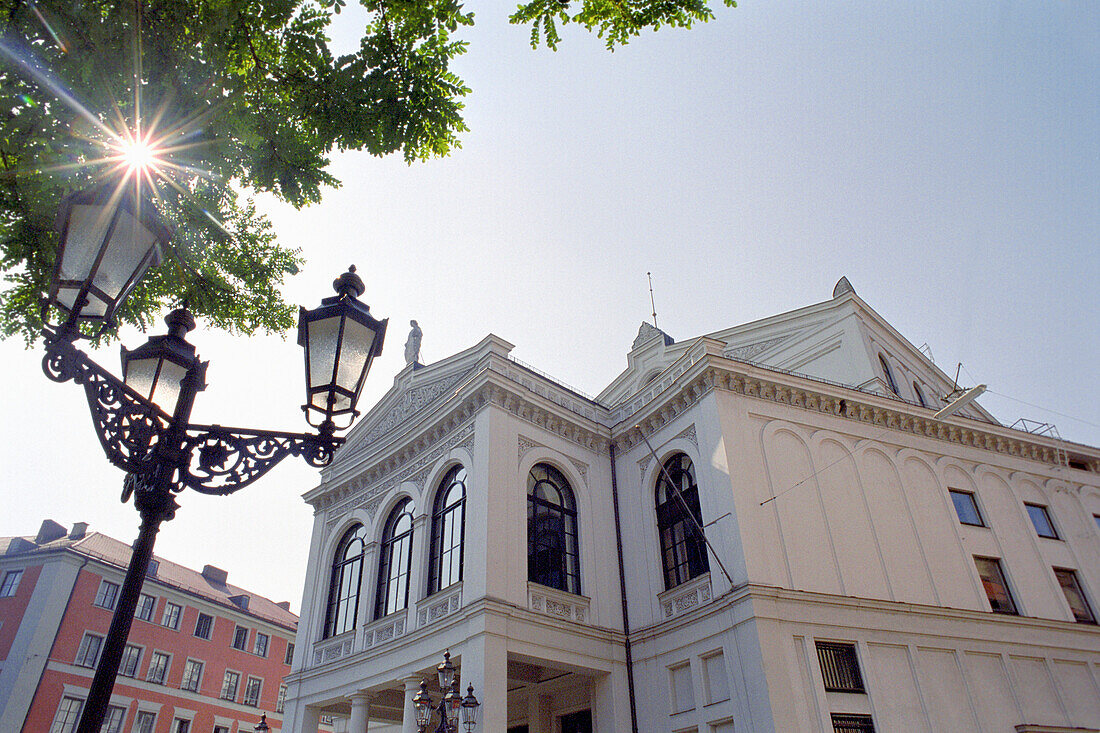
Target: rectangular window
x,y
145,607
260,646
131,658
144,721
240,638
192,675
280,701
683,693
252,691
996,588
288,658
966,507
158,668
204,625
1040,517
179,725
68,714
229,685
1094,516
714,670
839,667
88,653
107,595
10,583
846,723
171,617
114,719
220,729
1075,597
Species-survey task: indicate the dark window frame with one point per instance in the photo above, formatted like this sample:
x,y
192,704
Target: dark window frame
x,y
448,536
1044,512
852,723
1062,575
208,627
10,585
889,373
1012,609
345,579
839,664
553,539
683,549
395,561
239,641
973,498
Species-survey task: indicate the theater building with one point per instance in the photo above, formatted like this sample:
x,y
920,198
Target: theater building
x,y
759,529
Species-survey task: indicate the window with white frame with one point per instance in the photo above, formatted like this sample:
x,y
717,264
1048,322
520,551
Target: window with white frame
x,y
288,658
131,658
240,638
88,653
171,616
112,722
144,722
158,668
252,691
259,647
107,595
192,675
10,584
146,605
221,729
67,716
204,626
280,701
181,725
229,685
683,692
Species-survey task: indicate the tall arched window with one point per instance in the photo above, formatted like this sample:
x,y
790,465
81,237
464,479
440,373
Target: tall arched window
x,y
552,556
448,531
395,562
683,552
347,572
889,374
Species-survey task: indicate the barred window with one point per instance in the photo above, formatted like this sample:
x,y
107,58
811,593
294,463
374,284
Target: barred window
x,y
847,723
448,528
839,667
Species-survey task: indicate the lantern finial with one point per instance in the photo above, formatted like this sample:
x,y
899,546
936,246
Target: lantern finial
x,y
349,285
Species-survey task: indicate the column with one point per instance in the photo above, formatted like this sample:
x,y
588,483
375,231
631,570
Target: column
x,y
611,700
538,712
302,719
408,719
485,666
360,712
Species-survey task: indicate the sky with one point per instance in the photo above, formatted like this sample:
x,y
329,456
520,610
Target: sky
x,y
944,157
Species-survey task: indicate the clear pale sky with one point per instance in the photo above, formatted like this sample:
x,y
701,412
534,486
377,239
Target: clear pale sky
x,y
944,157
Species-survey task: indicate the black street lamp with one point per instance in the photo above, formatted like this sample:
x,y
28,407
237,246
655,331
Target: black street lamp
x,y
109,239
452,709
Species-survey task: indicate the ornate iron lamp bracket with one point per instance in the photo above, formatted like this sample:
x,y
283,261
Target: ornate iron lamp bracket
x,y
129,427
224,460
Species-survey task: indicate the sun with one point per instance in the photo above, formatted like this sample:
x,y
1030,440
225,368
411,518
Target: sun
x,y
138,155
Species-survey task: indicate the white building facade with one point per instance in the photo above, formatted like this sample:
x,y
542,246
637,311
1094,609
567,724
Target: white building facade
x,y
865,567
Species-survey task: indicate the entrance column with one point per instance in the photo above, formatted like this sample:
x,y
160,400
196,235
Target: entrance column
x,y
611,700
360,712
485,666
408,719
538,712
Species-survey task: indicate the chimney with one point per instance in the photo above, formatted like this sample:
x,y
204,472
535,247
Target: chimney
x,y
214,575
79,532
49,531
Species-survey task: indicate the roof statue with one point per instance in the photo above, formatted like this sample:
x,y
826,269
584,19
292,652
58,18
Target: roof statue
x,y
647,332
412,346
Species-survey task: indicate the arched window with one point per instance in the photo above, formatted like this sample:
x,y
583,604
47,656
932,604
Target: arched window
x,y
919,394
889,374
448,531
683,552
347,571
552,556
395,561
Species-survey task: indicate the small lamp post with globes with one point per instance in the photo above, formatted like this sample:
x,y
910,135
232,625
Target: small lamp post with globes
x,y
110,236
453,709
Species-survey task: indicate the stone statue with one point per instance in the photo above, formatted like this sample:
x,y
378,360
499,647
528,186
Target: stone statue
x,y
412,346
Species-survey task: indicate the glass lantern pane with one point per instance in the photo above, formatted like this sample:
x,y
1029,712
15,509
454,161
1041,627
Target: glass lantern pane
x,y
167,389
322,352
356,347
140,375
130,242
87,226
66,296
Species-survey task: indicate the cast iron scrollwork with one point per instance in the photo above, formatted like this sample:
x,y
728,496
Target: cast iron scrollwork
x,y
224,460
129,428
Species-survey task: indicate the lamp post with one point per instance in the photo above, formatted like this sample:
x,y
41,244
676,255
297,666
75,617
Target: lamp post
x,y
109,238
452,709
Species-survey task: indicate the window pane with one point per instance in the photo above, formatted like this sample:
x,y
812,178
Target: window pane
x,y
966,507
347,571
1041,520
993,581
131,657
145,607
204,625
844,723
1075,596
88,653
171,617
112,723
68,714
839,667
240,638
11,583
107,595
553,558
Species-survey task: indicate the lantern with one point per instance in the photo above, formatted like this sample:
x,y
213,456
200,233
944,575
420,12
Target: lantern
x,y
452,704
341,339
422,703
109,237
156,369
470,709
446,671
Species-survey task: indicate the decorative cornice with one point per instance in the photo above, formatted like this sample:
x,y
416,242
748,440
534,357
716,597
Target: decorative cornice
x,y
410,403
749,351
